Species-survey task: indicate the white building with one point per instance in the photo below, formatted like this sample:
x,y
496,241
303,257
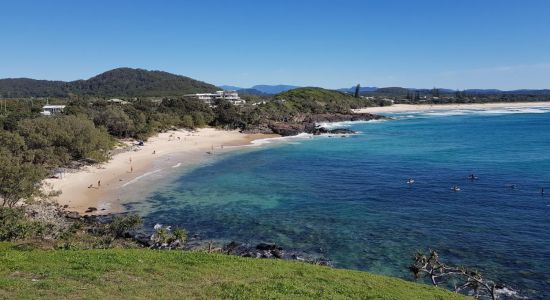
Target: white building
x,y
49,110
210,98
117,101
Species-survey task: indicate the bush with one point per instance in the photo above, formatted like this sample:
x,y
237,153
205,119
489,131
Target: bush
x,y
14,225
122,225
18,179
166,238
180,234
187,121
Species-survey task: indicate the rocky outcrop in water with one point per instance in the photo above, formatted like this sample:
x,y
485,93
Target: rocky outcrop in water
x,y
273,251
310,124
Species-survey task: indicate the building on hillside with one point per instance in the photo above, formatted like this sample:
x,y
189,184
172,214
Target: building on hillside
x,y
48,110
118,101
210,98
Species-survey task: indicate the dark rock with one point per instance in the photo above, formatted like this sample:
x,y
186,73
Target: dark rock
x,y
341,131
91,209
232,248
287,129
72,215
331,118
277,253
267,247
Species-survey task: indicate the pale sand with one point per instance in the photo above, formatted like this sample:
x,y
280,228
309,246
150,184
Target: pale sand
x,y
130,167
429,107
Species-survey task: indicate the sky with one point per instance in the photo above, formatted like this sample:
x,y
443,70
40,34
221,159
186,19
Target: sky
x,y
456,44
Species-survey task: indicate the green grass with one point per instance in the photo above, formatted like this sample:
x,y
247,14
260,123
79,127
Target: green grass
x,y
149,274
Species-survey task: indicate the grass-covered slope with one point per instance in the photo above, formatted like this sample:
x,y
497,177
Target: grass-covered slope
x,y
319,100
149,274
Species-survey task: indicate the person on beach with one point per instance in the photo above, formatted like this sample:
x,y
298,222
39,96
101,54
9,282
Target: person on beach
x,y
131,169
98,183
154,151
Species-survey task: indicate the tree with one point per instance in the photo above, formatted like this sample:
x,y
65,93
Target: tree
x,y
187,121
227,115
116,120
12,142
54,141
417,95
465,280
18,179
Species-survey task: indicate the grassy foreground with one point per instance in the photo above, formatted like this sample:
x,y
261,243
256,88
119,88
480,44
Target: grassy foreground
x,y
149,274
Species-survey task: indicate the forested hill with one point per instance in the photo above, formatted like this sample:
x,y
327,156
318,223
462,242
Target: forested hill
x,y
319,100
121,82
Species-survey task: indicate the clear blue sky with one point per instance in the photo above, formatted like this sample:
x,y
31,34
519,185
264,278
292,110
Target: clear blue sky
x,y
445,43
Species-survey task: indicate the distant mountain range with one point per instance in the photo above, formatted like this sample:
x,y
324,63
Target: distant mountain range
x,y
262,89
121,82
404,91
127,82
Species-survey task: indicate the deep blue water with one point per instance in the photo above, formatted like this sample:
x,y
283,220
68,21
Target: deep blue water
x,y
347,198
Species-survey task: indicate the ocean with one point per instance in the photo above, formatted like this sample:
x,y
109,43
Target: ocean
x,y
347,198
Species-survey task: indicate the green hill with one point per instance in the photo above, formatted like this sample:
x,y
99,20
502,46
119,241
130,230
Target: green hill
x,y
315,94
121,82
149,274
319,100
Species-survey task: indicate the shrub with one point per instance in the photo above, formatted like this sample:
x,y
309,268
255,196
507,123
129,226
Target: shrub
x,y
187,121
14,225
121,225
180,234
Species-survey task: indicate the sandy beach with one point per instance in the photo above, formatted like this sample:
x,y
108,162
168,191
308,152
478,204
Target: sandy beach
x,y
397,108
98,186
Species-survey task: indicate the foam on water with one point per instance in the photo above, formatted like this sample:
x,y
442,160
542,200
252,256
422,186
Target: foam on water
x,y
140,177
502,111
260,142
345,124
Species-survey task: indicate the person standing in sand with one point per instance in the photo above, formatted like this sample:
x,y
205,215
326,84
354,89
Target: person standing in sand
x,y
99,183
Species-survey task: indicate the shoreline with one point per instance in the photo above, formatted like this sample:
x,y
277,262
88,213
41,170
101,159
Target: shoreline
x,y
100,186
398,108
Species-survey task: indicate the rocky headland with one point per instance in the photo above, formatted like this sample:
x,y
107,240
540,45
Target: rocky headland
x,y
311,124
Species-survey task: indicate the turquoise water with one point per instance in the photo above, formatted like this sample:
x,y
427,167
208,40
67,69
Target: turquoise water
x,y
347,198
